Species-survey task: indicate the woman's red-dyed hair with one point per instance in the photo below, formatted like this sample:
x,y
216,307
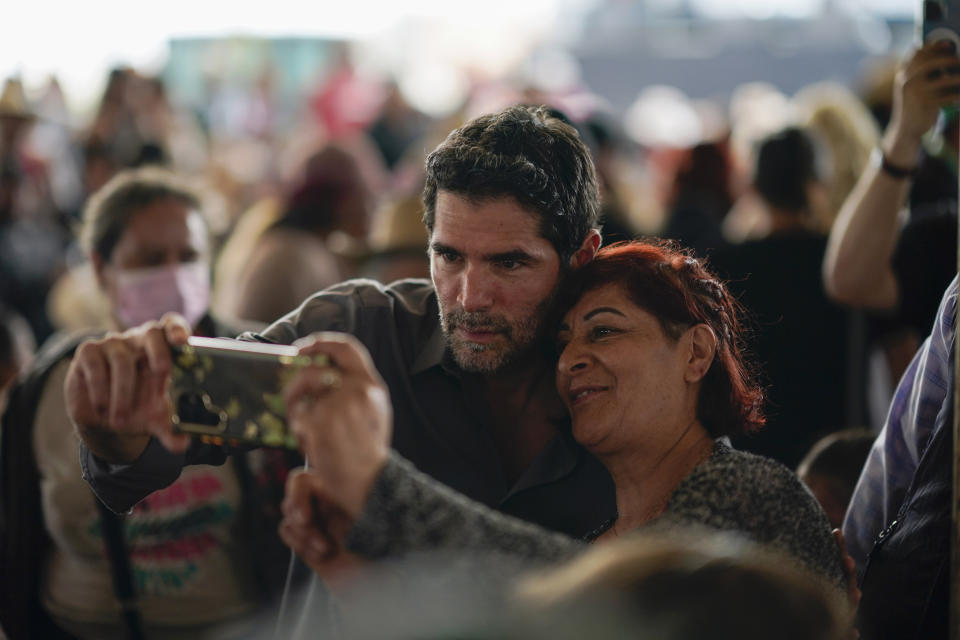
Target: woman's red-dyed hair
x,y
679,290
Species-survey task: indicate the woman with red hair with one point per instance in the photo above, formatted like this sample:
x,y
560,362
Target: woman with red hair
x,y
651,368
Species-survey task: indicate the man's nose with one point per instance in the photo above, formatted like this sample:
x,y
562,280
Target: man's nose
x,y
476,289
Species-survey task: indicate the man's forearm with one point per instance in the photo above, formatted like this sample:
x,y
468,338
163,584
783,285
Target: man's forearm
x,y
113,447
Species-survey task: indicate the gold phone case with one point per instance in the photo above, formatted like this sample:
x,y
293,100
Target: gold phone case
x,y
230,392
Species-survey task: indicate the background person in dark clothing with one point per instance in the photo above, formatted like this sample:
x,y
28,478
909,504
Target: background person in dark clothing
x,y
801,334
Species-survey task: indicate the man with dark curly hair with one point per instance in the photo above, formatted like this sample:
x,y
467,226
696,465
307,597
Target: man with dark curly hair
x,y
511,205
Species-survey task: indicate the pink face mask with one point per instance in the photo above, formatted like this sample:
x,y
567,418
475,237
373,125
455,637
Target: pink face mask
x,y
147,294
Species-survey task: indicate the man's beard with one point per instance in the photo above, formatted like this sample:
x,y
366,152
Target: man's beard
x,y
512,344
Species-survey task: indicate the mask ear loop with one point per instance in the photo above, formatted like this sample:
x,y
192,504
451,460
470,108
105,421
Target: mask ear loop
x,y
319,360
285,598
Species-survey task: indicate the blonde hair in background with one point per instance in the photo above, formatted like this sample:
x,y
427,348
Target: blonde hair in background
x,y
843,124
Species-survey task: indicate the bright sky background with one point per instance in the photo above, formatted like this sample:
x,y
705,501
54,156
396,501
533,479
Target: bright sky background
x,y
79,41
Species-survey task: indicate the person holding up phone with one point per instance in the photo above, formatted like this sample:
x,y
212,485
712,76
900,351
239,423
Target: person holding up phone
x,y
874,261
511,204
189,572
652,368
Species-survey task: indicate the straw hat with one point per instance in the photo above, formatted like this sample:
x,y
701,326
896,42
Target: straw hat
x,y
13,102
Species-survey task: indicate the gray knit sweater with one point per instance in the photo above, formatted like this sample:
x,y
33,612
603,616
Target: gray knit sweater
x,y
409,512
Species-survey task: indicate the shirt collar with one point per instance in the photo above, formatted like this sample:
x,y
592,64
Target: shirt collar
x,y
432,352
558,459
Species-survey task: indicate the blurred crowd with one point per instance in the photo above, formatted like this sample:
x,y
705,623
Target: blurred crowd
x,y
292,210
250,216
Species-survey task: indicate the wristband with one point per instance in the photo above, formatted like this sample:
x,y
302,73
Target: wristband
x,y
892,170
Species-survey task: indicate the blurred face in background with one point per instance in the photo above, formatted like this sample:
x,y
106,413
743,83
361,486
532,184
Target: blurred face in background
x,y
831,495
159,264
12,130
355,210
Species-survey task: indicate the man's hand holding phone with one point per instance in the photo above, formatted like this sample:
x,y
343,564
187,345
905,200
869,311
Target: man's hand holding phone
x,y
115,390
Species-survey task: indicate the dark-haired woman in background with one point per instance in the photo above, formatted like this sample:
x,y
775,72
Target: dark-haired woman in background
x,y
651,368
293,259
801,336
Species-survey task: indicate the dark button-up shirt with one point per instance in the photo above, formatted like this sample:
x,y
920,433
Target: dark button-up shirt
x,y
564,489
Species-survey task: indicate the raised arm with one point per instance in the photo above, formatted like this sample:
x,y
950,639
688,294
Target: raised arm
x,y
857,268
360,496
115,394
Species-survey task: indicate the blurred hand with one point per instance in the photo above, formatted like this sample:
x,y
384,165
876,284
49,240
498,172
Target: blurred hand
x,y
342,418
850,566
926,82
315,528
115,390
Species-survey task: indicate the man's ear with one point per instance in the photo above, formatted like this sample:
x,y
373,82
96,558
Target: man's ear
x,y
703,348
587,250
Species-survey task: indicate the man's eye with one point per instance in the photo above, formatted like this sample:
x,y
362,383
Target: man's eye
x,y
510,264
447,256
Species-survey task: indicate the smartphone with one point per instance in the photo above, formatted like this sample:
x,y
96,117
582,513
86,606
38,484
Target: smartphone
x,y
940,21
230,392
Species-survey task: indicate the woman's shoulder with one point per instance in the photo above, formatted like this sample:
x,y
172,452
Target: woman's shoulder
x,y
750,464
733,475
747,487
760,498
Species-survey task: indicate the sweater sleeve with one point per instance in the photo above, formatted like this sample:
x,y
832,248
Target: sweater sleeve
x,y
407,512
764,501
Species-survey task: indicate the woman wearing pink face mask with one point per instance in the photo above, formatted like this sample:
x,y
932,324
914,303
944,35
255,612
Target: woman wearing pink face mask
x,y
184,557
147,242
